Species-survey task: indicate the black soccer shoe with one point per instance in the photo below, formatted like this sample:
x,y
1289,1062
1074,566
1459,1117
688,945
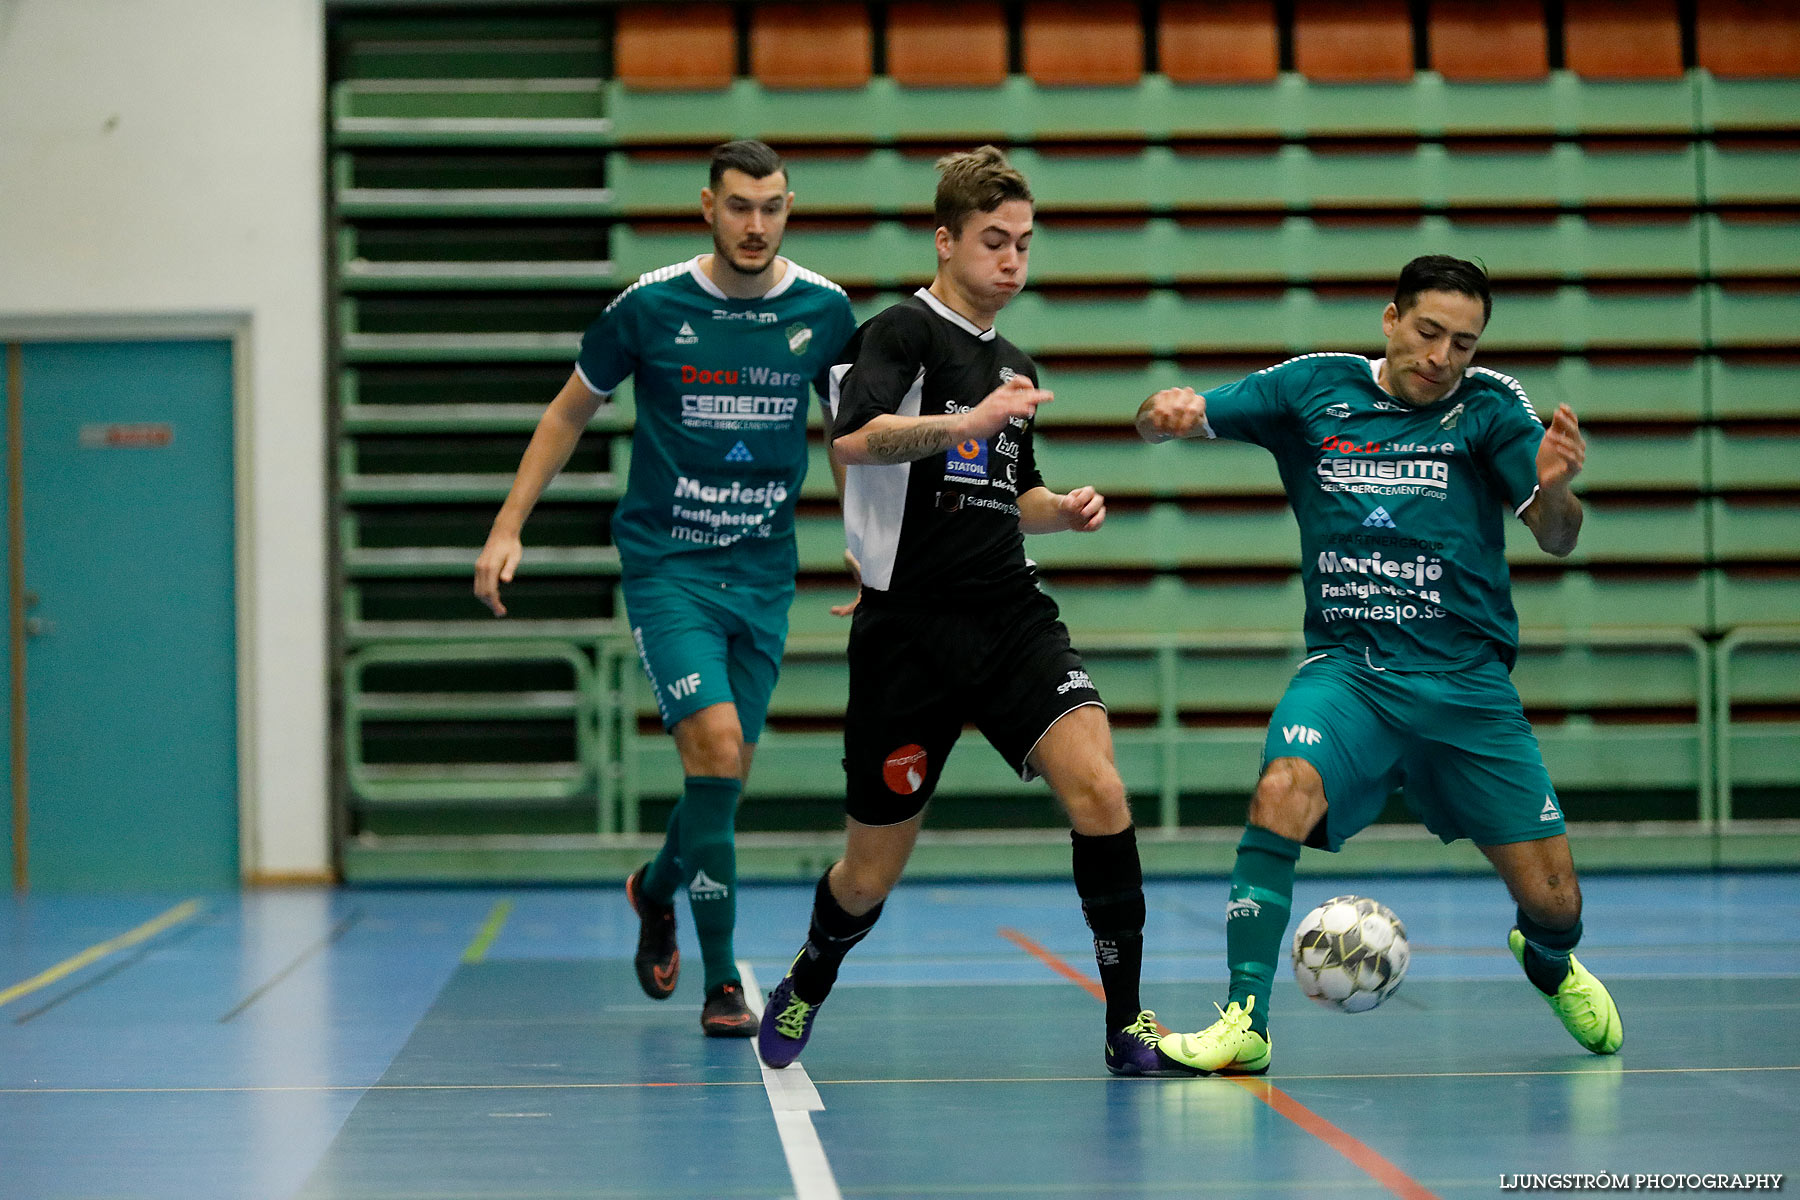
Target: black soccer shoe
x,y
725,1014
658,959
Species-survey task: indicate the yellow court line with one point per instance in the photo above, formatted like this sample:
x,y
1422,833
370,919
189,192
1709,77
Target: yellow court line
x,y
92,954
490,930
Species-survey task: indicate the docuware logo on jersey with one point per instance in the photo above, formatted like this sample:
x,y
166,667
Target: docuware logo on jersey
x,y
967,460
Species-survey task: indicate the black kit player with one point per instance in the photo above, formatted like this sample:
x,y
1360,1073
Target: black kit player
x,y
932,413
1401,473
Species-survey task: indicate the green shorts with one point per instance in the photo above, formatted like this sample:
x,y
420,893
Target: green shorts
x,y
1456,743
707,642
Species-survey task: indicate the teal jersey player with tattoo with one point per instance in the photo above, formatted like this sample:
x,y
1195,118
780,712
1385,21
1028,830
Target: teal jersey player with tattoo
x,y
1402,474
723,350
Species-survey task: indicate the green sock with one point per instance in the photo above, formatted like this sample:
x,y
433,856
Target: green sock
x,y
1256,916
664,877
708,818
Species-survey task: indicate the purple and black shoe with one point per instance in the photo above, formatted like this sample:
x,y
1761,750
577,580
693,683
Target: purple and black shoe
x,y
787,1022
1133,1051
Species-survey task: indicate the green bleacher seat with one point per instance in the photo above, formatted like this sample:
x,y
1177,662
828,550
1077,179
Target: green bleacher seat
x,y
883,113
1765,596
359,348
363,275
1745,317
502,202
1751,389
1295,320
1642,462
1650,390
1752,462
1163,536
1585,677
878,181
445,611
1755,530
1747,105
1574,602
357,487
476,46
443,692
1159,179
1584,756
1191,611
1754,246
1129,467
1109,396
1623,531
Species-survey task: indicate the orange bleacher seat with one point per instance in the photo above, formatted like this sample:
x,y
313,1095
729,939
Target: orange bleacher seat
x,y
1086,43
1353,41
1748,38
1622,39
1219,41
1488,40
675,46
811,45
943,43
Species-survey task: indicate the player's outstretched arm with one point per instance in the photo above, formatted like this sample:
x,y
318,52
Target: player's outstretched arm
x,y
1172,413
1044,511
890,438
1554,514
551,444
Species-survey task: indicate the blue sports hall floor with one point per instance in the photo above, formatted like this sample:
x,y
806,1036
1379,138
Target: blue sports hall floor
x,y
464,1043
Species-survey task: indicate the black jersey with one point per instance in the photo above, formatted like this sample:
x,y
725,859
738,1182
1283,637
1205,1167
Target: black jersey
x,y
947,525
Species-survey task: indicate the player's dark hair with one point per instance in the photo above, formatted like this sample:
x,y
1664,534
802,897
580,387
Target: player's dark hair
x,y
1441,273
753,158
978,180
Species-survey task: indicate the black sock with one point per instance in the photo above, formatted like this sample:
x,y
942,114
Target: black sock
x,y
830,937
1547,952
1110,882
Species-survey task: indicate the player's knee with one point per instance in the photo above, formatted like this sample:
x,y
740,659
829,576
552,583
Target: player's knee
x,y
1287,800
1098,805
721,759
1554,903
712,743
858,887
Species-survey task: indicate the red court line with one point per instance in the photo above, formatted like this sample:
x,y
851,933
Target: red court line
x,y
1367,1160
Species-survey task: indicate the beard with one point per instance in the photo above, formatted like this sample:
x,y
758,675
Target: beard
x,y
721,252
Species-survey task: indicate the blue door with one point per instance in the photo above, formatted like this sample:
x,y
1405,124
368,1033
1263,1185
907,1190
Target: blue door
x,y
130,710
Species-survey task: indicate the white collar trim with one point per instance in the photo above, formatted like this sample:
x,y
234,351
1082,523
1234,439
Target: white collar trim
x,y
712,289
951,315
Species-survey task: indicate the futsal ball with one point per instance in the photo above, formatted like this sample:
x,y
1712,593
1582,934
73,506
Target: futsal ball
x,y
1350,953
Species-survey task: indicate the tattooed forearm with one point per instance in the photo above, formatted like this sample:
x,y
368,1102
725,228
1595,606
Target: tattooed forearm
x,y
920,437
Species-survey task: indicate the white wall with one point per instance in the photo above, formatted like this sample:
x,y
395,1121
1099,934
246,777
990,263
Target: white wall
x,y
165,157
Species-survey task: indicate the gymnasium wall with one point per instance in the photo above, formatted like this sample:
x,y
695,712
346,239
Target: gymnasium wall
x,y
163,157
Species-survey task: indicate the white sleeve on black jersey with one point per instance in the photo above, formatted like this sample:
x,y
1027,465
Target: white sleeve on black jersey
x,y
884,361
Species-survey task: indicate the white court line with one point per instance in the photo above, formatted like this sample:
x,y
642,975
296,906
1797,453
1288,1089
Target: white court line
x,y
793,1098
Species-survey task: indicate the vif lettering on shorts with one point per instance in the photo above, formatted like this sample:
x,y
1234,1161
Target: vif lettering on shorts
x,y
1302,735
687,685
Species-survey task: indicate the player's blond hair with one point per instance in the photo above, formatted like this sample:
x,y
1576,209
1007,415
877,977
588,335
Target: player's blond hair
x,y
978,180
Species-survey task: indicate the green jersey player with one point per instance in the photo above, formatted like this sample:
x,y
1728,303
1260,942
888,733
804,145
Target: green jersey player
x,y
723,348
1402,473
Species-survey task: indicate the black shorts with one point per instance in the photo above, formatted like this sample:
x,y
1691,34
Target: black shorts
x,y
918,676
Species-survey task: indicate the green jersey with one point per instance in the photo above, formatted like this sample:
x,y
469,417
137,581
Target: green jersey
x,y
1401,509
719,450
